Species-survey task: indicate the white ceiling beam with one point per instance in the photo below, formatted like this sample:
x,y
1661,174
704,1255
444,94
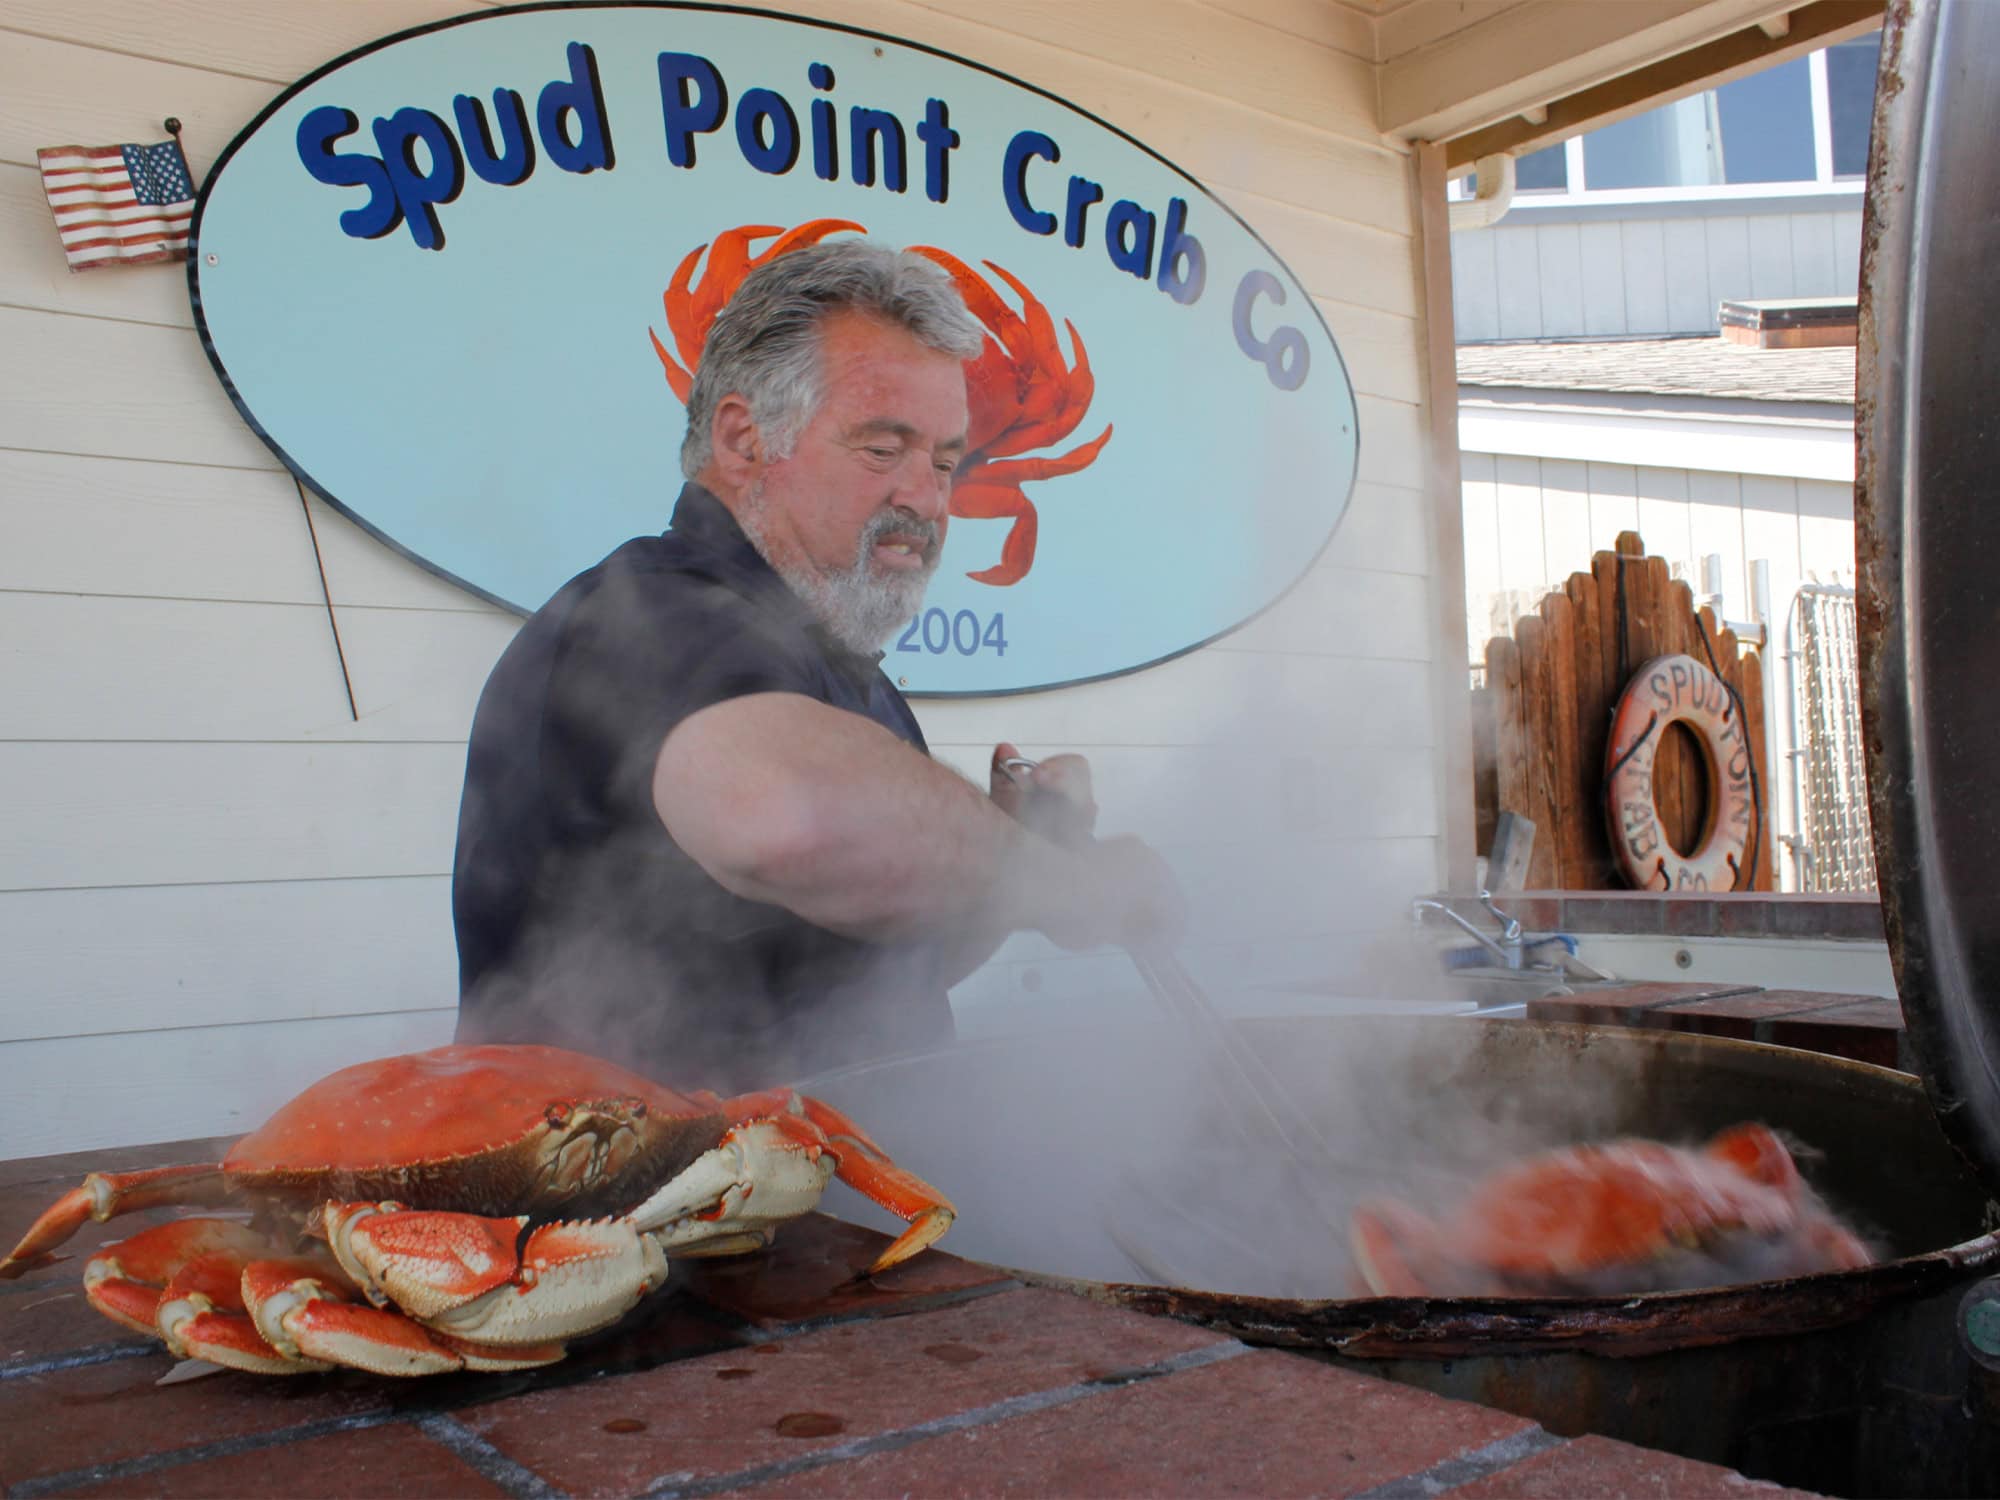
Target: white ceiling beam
x,y
1520,58
1669,76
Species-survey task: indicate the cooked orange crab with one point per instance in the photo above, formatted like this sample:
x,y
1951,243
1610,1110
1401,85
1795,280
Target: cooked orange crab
x,y
452,1190
1625,1216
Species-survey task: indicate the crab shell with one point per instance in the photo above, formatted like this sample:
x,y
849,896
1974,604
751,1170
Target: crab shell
x,y
1625,1216
480,1130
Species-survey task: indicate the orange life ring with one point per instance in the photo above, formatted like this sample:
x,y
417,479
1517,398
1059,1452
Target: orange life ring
x,y
1666,689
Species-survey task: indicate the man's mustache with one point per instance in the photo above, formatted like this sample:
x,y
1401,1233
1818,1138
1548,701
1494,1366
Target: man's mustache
x,y
906,525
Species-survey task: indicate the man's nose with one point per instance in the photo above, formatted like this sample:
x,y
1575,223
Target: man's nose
x,y
922,488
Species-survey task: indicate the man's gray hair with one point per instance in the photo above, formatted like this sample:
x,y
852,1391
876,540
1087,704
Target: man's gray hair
x,y
765,343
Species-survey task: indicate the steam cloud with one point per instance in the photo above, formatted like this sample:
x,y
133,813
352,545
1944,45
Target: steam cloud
x,y
1095,1145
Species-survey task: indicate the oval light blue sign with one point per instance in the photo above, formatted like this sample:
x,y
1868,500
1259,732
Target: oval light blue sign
x,y
457,280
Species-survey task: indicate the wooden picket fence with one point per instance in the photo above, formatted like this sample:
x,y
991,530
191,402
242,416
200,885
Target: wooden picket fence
x,y
1541,721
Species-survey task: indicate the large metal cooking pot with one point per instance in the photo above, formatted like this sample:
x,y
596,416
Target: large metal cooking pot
x,y
1068,1153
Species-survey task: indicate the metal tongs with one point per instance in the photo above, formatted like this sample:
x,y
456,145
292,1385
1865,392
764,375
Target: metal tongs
x,y
1258,1104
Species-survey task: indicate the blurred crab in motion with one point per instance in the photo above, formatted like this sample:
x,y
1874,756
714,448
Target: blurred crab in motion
x,y
1023,393
1624,1216
429,1212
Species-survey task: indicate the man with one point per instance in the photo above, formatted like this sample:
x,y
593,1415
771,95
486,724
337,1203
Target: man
x,y
701,833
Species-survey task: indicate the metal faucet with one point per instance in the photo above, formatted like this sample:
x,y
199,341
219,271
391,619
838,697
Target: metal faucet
x,y
1507,947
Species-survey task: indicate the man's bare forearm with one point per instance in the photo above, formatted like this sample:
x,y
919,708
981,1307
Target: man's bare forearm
x,y
786,800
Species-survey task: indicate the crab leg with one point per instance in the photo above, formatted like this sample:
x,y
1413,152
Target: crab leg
x,y
126,1280
103,1195
991,490
1000,502
813,1126
302,1310
202,1315
182,1282
691,310
731,1197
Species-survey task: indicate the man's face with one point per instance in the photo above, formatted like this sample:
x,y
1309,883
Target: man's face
x,y
855,518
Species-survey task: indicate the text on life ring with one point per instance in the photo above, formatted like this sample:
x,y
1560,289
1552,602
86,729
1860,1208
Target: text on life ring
x,y
1665,690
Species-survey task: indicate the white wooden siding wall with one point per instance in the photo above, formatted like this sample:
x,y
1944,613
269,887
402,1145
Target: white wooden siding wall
x,y
1531,522
1640,275
216,885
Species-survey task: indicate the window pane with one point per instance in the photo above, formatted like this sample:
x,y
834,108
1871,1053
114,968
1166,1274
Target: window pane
x,y
1850,92
1542,171
1767,125
1674,146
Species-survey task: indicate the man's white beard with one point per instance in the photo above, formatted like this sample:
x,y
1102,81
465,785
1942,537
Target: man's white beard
x,y
856,606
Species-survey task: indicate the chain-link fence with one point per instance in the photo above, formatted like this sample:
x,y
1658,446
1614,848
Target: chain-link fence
x,y
1834,849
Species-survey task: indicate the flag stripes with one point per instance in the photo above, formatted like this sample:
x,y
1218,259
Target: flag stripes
x,y
128,203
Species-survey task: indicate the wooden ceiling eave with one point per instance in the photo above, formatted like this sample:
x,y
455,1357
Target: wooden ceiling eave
x,y
1813,26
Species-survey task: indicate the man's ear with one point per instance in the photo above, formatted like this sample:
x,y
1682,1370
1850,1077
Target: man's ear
x,y
736,443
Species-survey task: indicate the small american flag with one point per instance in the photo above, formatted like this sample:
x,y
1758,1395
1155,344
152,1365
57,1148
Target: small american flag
x,y
124,204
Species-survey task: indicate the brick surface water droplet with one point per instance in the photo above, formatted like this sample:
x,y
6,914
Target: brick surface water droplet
x,y
809,1424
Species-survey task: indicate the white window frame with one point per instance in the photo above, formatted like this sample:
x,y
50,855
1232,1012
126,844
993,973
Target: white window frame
x,y
1822,184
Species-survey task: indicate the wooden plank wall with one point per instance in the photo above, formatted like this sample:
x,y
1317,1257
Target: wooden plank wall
x,y
1544,717
1541,276
216,884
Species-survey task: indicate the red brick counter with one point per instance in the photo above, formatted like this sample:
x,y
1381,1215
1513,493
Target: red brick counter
x,y
779,1374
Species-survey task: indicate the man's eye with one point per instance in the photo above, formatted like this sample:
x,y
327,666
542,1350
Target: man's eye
x,y
947,467
884,455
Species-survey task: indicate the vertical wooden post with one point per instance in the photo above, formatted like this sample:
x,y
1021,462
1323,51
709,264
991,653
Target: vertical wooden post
x,y
1451,696
1571,786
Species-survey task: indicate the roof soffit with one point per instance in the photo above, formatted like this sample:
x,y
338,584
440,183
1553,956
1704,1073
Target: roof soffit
x,y
1515,56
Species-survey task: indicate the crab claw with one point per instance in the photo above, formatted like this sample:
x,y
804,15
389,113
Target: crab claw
x,y
778,1124
991,490
691,306
425,1263
463,1276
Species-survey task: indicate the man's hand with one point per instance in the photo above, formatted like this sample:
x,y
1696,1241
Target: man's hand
x,y
1052,799
1121,891
1123,894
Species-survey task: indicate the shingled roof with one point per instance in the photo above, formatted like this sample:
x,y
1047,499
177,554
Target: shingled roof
x,y
1662,367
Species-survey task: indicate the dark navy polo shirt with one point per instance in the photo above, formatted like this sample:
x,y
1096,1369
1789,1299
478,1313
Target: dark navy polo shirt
x,y
580,922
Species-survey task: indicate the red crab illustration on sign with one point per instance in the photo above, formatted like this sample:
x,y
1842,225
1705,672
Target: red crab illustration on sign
x,y
1023,392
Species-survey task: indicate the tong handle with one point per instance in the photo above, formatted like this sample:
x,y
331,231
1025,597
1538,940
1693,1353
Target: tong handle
x,y
1019,767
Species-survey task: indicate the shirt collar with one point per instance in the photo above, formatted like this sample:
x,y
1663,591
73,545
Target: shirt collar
x,y
701,517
